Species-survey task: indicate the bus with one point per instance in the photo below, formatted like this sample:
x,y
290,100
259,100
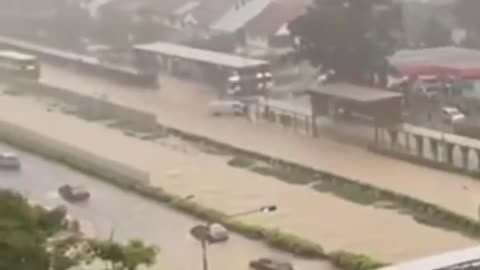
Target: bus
x,y
13,63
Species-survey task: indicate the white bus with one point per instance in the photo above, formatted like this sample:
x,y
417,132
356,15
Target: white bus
x,y
13,63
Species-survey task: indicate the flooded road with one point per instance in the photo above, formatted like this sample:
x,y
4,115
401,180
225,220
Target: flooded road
x,y
181,169
130,216
187,110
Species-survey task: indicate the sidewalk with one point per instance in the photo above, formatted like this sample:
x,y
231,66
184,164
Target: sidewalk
x,y
184,105
320,217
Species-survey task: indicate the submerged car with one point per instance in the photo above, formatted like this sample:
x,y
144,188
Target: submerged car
x,y
452,114
217,233
9,161
73,194
226,108
270,264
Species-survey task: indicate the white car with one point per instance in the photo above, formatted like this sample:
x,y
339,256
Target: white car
x,y
227,107
217,233
452,114
9,161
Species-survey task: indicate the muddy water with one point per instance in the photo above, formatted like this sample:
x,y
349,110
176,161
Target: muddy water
x,y
132,217
323,218
183,104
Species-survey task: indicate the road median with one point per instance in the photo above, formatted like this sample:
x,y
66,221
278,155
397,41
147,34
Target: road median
x,y
136,180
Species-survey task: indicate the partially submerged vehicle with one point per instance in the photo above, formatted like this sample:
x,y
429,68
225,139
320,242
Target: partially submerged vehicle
x,y
73,194
9,161
226,107
217,233
270,264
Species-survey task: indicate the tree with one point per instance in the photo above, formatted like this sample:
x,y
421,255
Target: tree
x,y
436,34
466,15
129,256
351,37
114,27
70,25
32,237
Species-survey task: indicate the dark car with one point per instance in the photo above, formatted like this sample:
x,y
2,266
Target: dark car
x,y
73,194
270,264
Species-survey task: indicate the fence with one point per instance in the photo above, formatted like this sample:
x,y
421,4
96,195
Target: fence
x,y
287,115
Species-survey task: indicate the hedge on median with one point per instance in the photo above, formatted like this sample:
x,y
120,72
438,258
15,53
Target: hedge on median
x,y
273,237
463,224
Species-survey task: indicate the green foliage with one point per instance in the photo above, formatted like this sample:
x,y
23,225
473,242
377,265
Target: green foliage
x,y
351,37
24,231
349,261
436,34
241,162
32,237
124,257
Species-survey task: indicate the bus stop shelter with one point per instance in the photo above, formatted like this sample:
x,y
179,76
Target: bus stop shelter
x,y
380,108
210,66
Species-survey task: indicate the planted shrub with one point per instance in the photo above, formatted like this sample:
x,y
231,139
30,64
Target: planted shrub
x,y
241,162
348,261
248,230
294,244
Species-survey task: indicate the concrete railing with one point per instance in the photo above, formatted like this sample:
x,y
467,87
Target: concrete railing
x,y
73,156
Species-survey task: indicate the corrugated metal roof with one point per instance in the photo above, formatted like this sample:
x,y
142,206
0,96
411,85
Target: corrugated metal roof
x,y
275,16
210,11
238,16
204,56
16,55
187,7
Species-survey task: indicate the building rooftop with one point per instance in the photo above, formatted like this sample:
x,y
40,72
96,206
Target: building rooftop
x,y
240,14
17,55
275,17
354,92
442,56
198,55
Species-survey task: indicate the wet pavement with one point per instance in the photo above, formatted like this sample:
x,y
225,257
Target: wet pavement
x,y
130,216
184,105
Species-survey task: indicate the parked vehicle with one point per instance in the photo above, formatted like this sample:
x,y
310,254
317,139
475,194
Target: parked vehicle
x,y
227,107
73,194
270,264
452,114
22,65
217,233
9,161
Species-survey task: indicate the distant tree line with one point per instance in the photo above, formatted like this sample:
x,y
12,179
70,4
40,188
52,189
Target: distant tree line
x,y
351,38
68,23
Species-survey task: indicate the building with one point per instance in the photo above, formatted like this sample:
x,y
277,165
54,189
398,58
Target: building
x,y
258,22
270,27
442,61
232,74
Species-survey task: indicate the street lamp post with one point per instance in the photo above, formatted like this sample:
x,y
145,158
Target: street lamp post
x,y
202,232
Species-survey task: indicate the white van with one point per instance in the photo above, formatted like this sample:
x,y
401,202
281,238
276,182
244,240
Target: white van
x,y
227,107
452,114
